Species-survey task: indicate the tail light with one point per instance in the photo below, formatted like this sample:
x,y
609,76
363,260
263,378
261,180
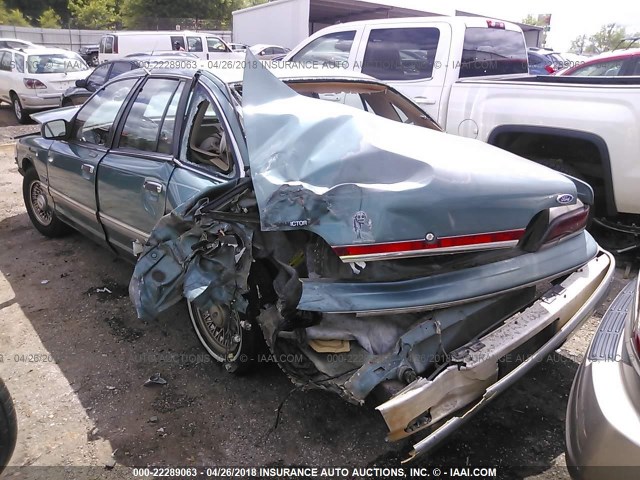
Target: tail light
x,y
549,69
33,83
495,24
566,224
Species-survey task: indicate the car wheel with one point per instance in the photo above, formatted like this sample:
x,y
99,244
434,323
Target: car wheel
x,y
40,206
8,426
226,336
94,62
66,102
18,111
234,338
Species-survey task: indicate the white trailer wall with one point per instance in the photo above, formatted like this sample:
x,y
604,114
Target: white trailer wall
x,y
284,23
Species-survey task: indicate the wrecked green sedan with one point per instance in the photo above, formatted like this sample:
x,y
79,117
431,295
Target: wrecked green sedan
x,y
377,257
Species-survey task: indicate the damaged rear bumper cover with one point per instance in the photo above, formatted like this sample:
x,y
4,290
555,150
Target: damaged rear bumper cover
x,y
460,391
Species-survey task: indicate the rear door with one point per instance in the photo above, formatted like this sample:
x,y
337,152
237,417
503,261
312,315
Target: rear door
x,y
133,176
73,164
5,75
412,57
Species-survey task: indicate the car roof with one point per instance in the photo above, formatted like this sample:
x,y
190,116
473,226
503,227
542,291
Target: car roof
x,y
615,54
457,20
260,46
38,50
8,39
176,33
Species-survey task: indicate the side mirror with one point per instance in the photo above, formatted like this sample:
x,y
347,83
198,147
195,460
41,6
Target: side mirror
x,y
55,129
82,83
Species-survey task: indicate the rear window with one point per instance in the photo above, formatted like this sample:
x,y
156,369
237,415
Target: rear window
x,y
401,53
493,51
56,63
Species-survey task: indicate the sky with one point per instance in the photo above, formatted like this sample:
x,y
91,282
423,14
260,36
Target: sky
x,y
569,18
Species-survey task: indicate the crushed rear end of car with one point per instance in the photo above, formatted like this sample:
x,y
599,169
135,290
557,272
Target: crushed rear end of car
x,y
384,262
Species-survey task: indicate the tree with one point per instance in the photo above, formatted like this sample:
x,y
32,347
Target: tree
x,y
94,14
607,38
578,45
194,14
12,17
49,19
536,21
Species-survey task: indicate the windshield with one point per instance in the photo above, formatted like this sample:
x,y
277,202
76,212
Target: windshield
x,y
56,63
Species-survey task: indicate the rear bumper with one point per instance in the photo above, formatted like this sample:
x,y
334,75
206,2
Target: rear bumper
x,y
447,289
603,414
40,102
460,391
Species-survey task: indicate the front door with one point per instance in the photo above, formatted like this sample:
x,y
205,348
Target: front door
x,y
73,164
133,176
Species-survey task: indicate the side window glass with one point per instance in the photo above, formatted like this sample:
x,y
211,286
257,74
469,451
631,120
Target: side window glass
x,y
19,63
119,68
165,141
194,44
215,45
609,69
142,126
401,53
95,119
98,77
5,62
331,48
177,42
108,44
206,141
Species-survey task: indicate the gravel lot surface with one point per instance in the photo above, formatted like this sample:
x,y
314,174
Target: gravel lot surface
x,y
75,359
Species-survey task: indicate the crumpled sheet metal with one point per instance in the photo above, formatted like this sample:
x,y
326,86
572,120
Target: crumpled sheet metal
x,y
351,176
187,256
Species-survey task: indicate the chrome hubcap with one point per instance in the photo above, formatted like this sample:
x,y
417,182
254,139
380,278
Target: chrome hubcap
x,y
222,331
40,203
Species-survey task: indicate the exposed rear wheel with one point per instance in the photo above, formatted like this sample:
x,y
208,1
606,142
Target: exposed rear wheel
x,y
227,337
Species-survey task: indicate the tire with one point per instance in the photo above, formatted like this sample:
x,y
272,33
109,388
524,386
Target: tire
x,y
18,111
40,207
559,166
66,102
241,330
8,426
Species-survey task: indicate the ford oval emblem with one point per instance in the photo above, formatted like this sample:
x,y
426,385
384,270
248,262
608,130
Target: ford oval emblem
x,y
564,199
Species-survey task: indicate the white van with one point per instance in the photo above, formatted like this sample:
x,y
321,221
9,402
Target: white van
x,y
205,45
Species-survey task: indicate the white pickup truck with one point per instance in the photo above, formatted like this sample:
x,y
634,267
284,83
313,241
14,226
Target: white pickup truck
x,y
471,75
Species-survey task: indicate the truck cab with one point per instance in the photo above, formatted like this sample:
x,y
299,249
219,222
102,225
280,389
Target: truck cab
x,y
422,57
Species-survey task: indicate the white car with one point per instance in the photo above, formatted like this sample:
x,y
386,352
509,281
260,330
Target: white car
x,y
35,79
268,52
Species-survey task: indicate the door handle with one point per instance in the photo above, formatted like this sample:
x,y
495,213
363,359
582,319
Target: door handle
x,y
424,100
87,168
152,186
